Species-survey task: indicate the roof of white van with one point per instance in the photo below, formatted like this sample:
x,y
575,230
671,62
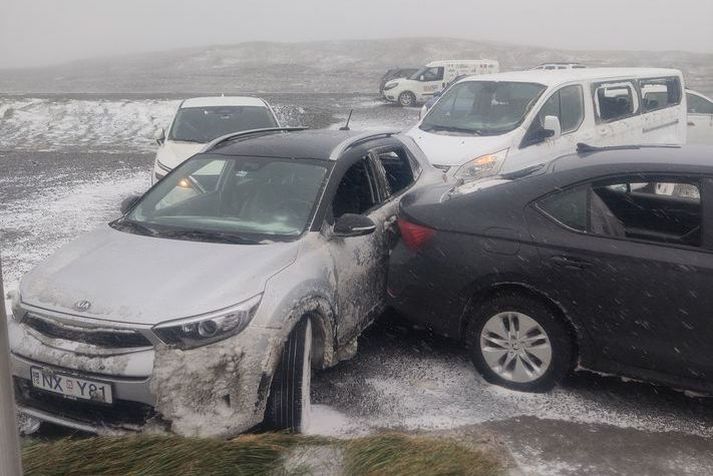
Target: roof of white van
x,y
559,76
223,101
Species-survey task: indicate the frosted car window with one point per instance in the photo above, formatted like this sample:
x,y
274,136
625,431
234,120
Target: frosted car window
x,y
660,93
203,124
698,105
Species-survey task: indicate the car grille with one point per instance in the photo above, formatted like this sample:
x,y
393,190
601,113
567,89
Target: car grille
x,y
120,413
111,338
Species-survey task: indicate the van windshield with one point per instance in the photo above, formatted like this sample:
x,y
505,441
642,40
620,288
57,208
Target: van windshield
x,y
203,124
482,107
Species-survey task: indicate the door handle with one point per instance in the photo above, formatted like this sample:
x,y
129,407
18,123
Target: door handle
x,y
571,262
691,123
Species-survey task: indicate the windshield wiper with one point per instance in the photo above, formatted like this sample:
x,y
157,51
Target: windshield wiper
x,y
427,128
211,236
134,227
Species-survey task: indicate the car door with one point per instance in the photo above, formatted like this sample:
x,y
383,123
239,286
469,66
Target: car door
x,y
359,262
700,119
568,105
635,268
432,80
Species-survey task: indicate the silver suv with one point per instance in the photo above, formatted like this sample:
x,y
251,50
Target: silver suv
x,y
204,308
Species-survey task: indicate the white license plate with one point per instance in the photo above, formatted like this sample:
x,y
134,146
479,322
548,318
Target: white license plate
x,y
71,387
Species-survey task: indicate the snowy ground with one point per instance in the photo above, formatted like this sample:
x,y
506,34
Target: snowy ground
x,y
66,164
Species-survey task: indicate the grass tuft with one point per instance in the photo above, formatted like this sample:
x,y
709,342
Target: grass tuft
x,y
397,454
156,455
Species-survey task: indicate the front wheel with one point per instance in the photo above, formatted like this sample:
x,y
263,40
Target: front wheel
x,y
515,341
407,99
288,405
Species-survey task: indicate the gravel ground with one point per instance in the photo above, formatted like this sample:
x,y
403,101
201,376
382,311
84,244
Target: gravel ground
x,y
401,378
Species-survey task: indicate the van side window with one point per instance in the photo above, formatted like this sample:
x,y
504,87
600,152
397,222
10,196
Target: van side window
x,y
433,74
615,101
357,192
567,104
660,93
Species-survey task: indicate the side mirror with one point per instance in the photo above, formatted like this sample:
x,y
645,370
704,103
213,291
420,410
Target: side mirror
x,y
552,126
160,136
351,224
128,203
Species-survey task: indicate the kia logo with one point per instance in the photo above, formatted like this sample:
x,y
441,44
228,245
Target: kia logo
x,y
83,305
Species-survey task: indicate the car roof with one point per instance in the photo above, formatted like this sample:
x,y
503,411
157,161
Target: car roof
x,y
211,101
560,76
639,159
325,144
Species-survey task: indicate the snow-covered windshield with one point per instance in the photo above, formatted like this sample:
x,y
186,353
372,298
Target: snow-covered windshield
x,y
482,107
232,198
203,124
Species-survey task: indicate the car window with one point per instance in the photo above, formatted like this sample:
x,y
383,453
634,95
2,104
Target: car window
x,y
615,101
698,105
203,180
432,74
660,93
567,104
357,191
568,207
397,169
661,210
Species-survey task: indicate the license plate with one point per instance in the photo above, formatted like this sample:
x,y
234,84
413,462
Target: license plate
x,y
70,386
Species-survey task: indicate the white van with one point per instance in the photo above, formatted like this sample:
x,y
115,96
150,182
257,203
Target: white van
x,y
434,77
505,122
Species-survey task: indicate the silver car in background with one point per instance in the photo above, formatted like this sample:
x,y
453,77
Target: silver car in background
x,y
205,307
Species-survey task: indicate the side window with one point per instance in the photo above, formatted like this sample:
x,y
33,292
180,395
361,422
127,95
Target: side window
x,y
397,169
662,210
433,74
567,104
660,93
568,207
357,192
698,105
614,101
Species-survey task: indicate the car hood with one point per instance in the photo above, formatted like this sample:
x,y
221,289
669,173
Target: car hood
x,y
171,153
147,280
456,149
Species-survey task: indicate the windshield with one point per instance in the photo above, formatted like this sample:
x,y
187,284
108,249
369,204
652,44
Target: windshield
x,y
229,198
203,124
482,107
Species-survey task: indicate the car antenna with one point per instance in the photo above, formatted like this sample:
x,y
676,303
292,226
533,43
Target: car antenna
x,y
345,127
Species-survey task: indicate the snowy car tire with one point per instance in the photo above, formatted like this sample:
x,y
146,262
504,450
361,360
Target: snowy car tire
x,y
288,404
532,361
407,98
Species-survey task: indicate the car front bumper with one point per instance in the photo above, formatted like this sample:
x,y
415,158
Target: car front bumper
x,y
218,390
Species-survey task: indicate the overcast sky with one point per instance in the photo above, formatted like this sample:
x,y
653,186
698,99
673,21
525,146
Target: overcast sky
x,y
37,32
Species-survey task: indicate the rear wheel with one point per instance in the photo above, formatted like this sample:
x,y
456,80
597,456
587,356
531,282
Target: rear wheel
x,y
288,405
407,98
515,341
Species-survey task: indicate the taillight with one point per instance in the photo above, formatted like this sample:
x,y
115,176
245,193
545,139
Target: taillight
x,y
414,236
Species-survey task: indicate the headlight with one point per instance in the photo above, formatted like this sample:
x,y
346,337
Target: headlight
x,y
17,312
482,166
390,86
197,332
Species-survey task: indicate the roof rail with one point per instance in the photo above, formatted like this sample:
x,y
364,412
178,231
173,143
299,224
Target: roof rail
x,y
234,135
583,148
359,139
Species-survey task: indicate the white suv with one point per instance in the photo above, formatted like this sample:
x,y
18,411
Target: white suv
x,y
200,120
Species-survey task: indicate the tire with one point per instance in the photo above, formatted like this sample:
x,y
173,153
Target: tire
x,y
288,404
517,342
407,98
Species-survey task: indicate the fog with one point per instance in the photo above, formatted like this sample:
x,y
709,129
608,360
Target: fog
x,y
39,32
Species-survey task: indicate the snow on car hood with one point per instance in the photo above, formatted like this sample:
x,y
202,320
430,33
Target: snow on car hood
x,y
456,149
146,280
173,153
